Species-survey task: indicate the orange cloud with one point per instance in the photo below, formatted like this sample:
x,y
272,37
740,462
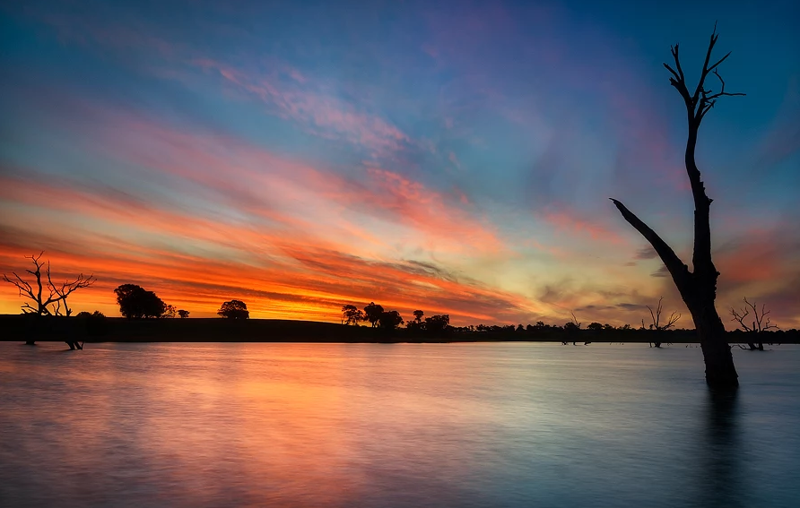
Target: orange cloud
x,y
567,221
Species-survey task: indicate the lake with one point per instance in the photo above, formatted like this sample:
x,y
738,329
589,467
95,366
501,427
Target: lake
x,y
394,425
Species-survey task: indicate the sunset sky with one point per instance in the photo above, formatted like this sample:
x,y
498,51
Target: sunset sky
x,y
454,157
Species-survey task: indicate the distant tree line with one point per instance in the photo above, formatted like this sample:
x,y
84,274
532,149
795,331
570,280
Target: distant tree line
x,y
657,330
372,313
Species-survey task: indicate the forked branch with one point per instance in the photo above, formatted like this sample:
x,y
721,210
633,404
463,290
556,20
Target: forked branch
x,y
761,321
656,317
57,293
702,100
677,268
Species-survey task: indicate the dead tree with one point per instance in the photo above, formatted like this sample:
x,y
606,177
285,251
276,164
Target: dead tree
x,y
656,325
35,295
760,324
572,329
40,305
67,288
698,288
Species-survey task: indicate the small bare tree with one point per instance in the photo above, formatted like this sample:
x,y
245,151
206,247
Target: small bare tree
x,y
698,288
761,322
56,297
656,324
571,328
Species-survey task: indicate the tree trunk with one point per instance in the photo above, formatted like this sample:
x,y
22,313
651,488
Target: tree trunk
x,y
698,288
720,372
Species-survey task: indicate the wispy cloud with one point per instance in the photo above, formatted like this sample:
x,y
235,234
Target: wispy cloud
x,y
286,92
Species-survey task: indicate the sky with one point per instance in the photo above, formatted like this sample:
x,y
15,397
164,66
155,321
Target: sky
x,y
453,157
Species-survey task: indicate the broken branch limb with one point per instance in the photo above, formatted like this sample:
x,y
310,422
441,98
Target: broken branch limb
x,y
677,268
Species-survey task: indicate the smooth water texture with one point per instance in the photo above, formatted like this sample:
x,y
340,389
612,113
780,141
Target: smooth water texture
x,y
403,425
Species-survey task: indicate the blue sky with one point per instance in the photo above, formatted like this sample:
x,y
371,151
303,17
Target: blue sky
x,y
454,157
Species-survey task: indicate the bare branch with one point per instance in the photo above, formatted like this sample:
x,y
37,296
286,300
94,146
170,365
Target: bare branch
x,y
575,320
57,293
711,43
656,317
677,268
673,318
679,80
24,288
670,69
713,67
761,321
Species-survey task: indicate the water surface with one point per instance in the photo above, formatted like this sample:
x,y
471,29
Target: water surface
x,y
403,425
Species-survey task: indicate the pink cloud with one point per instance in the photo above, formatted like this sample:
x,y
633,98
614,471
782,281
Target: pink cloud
x,y
570,222
322,113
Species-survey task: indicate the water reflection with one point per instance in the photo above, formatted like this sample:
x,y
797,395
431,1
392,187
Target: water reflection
x,y
505,425
722,480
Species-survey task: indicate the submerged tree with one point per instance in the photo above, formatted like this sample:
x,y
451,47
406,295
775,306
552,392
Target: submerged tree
x,y
657,325
57,293
761,323
571,330
699,287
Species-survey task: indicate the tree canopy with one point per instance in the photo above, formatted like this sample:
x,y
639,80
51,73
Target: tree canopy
x,y
373,313
234,309
437,323
390,320
351,315
135,302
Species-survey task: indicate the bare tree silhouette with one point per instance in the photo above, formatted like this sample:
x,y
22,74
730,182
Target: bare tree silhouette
x,y
761,323
656,324
57,293
572,328
698,288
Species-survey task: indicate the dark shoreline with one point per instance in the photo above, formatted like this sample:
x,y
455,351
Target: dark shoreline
x,y
18,328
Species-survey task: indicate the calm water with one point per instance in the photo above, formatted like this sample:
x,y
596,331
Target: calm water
x,y
310,425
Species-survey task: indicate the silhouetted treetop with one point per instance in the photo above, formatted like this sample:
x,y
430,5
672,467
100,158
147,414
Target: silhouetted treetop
x,y
390,320
135,302
351,315
437,323
234,309
373,313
